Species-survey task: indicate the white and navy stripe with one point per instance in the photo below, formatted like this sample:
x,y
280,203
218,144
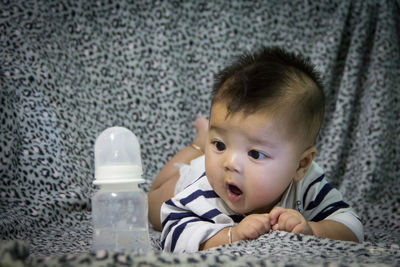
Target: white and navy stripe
x,y
193,216
328,210
318,200
197,213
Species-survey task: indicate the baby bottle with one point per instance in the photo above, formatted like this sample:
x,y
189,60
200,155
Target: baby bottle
x,y
119,208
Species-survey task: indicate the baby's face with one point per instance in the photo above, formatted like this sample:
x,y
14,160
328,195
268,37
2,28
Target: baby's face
x,y
249,160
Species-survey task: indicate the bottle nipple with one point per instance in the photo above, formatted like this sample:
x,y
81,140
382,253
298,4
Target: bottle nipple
x,y
117,157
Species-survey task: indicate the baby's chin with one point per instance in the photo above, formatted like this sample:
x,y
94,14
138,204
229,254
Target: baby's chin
x,y
249,210
239,209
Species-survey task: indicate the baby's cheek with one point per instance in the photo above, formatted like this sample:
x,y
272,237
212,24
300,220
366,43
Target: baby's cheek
x,y
213,177
266,191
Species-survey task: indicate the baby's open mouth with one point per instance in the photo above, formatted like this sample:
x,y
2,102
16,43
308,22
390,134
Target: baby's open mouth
x,y
234,190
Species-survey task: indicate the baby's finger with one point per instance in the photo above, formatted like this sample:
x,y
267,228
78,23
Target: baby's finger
x,y
292,223
267,223
263,221
275,213
299,229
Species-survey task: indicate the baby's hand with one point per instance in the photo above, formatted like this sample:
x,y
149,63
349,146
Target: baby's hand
x,y
289,220
251,227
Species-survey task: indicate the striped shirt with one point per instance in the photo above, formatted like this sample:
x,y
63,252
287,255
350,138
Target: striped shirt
x,y
197,213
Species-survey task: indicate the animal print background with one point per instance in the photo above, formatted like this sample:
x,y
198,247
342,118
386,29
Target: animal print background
x,y
71,69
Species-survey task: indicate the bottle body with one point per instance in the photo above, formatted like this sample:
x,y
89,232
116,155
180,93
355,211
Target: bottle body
x,y
119,215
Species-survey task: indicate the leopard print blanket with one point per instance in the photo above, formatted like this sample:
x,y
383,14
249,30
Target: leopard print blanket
x,y
70,69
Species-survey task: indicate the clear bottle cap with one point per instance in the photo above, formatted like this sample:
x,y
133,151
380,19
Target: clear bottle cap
x,y
117,157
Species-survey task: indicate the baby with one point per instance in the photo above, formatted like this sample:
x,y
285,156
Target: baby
x,y
257,173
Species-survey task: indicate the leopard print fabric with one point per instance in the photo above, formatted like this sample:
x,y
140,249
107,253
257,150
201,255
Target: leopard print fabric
x,y
70,69
269,250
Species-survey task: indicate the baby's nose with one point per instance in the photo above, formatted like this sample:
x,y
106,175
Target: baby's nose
x,y
233,162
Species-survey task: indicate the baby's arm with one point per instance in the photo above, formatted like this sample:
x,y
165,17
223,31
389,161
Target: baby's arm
x,y
251,227
291,220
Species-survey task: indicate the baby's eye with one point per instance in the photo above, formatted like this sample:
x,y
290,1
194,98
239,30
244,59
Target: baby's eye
x,y
219,145
256,154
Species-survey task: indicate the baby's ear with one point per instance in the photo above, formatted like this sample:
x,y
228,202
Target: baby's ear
x,y
305,162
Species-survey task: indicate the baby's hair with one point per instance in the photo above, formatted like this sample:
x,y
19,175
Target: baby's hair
x,y
273,80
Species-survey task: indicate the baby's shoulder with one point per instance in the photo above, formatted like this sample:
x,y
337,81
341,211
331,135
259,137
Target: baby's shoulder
x,y
315,175
200,183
